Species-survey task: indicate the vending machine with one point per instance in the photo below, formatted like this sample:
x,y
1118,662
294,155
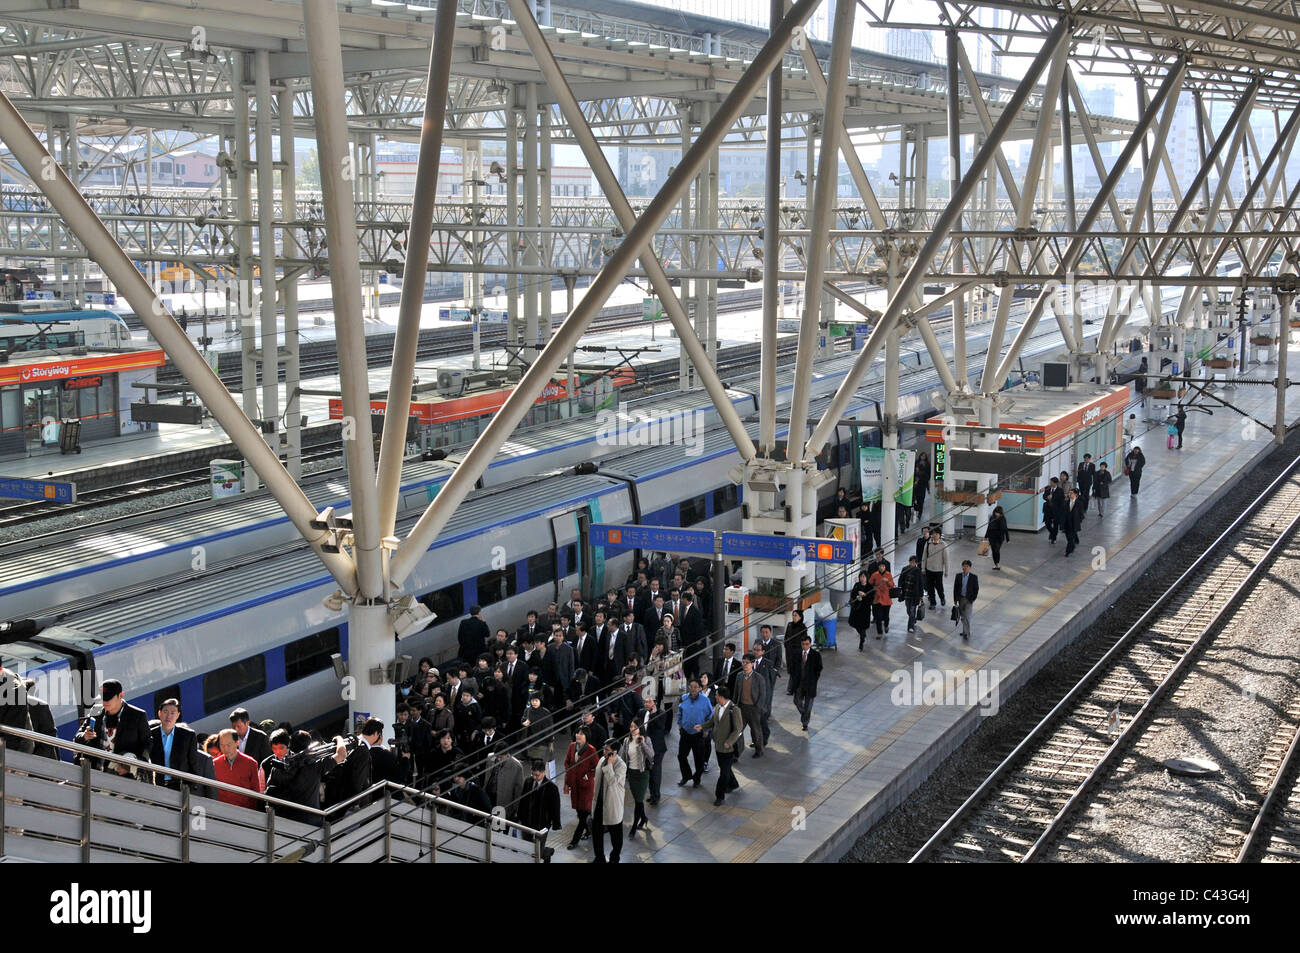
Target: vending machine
x,y
737,617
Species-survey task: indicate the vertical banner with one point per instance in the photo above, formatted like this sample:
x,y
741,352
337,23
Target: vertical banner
x,y
903,465
871,466
940,463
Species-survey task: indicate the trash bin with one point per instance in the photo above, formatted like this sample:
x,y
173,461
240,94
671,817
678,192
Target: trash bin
x,y
828,625
70,436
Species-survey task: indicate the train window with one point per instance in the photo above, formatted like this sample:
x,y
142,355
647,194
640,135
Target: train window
x,y
310,655
160,696
496,585
541,569
447,603
724,499
570,559
692,511
233,684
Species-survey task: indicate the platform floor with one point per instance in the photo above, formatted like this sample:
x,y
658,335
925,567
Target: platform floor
x,y
812,795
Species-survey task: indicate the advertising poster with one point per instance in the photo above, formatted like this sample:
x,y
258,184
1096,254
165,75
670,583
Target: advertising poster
x,y
903,463
871,466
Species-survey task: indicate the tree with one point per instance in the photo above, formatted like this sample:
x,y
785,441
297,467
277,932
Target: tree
x,y
309,171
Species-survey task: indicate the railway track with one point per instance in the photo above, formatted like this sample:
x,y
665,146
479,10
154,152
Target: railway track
x,y
1274,836
96,499
1028,800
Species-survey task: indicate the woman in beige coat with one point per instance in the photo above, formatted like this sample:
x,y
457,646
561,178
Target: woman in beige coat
x,y
607,803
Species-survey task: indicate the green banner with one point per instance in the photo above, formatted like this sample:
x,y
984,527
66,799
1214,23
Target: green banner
x,y
903,465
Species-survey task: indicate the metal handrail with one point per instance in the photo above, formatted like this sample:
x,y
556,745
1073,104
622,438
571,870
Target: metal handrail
x,y
491,822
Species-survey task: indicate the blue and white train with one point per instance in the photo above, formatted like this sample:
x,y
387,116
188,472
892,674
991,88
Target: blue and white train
x,y
224,606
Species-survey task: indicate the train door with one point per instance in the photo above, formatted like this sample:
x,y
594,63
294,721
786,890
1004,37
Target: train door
x,y
588,574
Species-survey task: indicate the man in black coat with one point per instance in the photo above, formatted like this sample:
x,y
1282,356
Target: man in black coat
x,y
728,668
517,678
693,637
612,654
14,710
965,590
1083,477
421,734
585,647
655,724
1055,508
539,805
806,670
638,643
252,741
1073,521
383,763
42,721
173,745
473,635
116,726
530,627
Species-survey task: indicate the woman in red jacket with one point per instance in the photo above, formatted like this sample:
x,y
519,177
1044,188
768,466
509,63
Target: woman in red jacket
x,y
580,783
883,580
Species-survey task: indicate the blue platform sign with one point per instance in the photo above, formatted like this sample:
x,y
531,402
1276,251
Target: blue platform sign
x,y
38,490
786,548
667,538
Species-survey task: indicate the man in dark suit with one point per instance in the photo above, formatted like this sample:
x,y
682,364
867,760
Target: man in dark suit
x,y
612,654
116,726
173,745
965,590
420,732
1084,474
637,642
764,667
558,665
584,650
383,763
1074,521
517,679
42,721
653,619
771,651
252,741
654,725
14,710
728,668
1059,508
472,635
530,627
806,667
539,805
693,638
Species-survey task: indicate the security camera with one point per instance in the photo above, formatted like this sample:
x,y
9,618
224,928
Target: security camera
x,y
409,616
340,666
322,521
334,601
343,522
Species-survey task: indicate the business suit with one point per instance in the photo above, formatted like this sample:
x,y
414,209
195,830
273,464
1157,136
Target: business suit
x,y
765,668
1083,477
131,736
806,673
965,600
472,638
636,641
584,652
558,666
384,766
752,713
728,729
184,757
42,721
1059,508
772,651
612,654
727,671
693,641
257,746
535,631
14,710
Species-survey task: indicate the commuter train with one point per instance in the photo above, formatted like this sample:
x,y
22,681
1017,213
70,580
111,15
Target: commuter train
x,y
32,329
224,606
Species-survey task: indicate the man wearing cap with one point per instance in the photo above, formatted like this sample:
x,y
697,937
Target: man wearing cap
x,y
119,727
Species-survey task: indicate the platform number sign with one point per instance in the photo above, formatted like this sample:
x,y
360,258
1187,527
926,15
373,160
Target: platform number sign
x,y
39,490
940,461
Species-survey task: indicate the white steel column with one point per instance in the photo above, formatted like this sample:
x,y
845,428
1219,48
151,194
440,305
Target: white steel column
x,y
512,216
610,276
243,171
954,179
889,431
825,188
266,247
289,294
1285,300
614,195
370,636
942,227
531,221
135,288
772,253
392,445
546,238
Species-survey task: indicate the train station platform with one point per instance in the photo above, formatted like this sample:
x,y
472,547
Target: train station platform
x,y
813,794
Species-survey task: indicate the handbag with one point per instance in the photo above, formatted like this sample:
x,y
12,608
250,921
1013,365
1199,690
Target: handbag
x,y
920,611
955,614
985,548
